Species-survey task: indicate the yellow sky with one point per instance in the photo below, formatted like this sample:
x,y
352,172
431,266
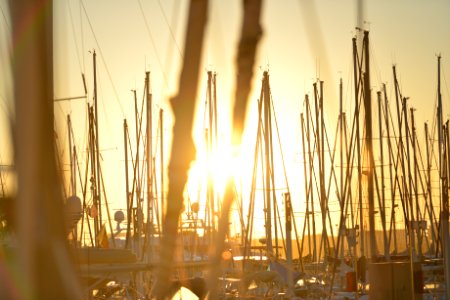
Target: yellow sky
x,y
301,41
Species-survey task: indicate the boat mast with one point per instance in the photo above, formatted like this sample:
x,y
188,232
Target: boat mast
x,y
383,198
358,145
127,187
392,228
72,177
210,153
369,145
416,183
95,208
161,149
401,154
267,160
306,224
429,193
342,225
444,187
319,137
408,178
311,170
149,164
97,194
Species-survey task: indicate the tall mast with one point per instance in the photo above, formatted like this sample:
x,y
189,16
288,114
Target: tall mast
x,y
369,145
210,149
267,159
306,220
408,178
444,187
319,136
342,225
137,180
97,153
311,158
323,194
383,199
161,149
429,192
401,153
71,156
391,177
416,185
127,187
272,166
149,163
358,145
94,175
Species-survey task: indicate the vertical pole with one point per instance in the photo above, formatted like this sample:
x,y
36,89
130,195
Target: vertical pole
x,y
416,184
288,212
401,155
306,221
94,174
342,225
383,199
149,130
391,177
443,155
210,150
71,165
127,186
323,193
369,145
412,242
321,183
429,192
97,190
358,146
161,150
311,164
267,174
272,165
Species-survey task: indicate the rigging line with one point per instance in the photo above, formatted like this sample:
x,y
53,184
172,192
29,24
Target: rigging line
x,y
279,143
83,187
5,19
433,131
74,38
375,65
82,36
104,106
205,110
168,61
445,80
103,59
170,29
153,44
347,101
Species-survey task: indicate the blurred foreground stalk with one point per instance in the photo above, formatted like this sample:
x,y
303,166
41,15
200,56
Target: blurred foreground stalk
x,y
45,268
183,150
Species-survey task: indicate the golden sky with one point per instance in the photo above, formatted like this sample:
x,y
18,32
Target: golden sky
x,y
302,41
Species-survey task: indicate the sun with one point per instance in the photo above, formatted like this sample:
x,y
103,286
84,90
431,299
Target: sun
x,y
214,168
211,172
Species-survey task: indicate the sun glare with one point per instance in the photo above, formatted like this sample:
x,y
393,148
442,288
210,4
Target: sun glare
x,y
215,168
